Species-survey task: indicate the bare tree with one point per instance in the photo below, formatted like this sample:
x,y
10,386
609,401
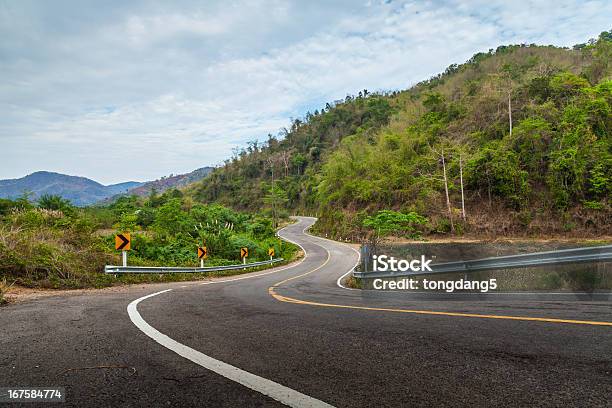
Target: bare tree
x,y
271,162
448,203
441,159
284,157
510,109
505,87
461,179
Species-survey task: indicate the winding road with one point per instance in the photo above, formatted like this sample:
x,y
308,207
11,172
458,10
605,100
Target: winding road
x,y
294,336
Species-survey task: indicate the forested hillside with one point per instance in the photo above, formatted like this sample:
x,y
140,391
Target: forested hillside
x,y
514,141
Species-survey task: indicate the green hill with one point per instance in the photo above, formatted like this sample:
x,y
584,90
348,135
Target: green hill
x,y
524,129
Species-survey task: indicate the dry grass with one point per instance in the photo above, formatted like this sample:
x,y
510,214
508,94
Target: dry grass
x,y
31,250
4,288
498,221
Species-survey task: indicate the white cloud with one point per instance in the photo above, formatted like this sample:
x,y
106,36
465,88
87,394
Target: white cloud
x,y
167,88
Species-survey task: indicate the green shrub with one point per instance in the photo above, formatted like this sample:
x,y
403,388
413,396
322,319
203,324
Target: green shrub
x,y
387,222
55,202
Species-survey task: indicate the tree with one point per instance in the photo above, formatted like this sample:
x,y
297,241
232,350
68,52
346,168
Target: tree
x,y
155,200
508,76
448,203
388,222
442,160
285,157
461,180
566,85
124,204
6,206
498,169
298,160
171,218
531,139
127,222
434,102
23,201
55,202
275,198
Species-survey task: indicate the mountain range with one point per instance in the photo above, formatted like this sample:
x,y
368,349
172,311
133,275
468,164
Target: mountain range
x,y
82,191
167,182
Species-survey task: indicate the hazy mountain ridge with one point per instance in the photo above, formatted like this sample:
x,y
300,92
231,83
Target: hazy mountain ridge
x,y
172,181
79,190
82,191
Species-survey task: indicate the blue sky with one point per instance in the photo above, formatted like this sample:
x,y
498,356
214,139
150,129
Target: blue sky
x,y
118,91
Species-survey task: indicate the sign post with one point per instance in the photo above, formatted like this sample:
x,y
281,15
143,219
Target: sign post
x,y
271,253
244,253
202,254
123,243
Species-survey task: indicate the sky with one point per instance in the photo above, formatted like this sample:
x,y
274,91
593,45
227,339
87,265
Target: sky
x,y
135,90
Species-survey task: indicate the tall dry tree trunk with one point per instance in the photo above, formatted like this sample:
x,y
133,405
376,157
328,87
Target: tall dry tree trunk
x,y
285,156
448,203
510,110
489,188
271,164
461,179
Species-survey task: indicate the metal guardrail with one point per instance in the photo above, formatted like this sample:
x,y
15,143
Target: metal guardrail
x,y
564,256
111,269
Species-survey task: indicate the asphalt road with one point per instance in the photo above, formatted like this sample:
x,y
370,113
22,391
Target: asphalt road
x,y
291,334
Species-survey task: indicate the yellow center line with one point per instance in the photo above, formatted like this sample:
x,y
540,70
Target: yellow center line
x,y
432,312
272,292
302,275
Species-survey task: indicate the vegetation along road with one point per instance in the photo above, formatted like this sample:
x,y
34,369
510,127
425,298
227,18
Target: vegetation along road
x,y
293,335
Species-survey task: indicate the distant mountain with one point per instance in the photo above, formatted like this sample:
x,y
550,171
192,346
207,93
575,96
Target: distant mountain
x,y
172,181
123,187
80,191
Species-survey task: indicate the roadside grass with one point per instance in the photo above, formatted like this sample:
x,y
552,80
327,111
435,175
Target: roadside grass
x,y
39,256
4,288
353,282
50,258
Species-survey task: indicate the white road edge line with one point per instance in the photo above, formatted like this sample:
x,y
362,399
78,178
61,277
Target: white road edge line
x,y
262,385
276,391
